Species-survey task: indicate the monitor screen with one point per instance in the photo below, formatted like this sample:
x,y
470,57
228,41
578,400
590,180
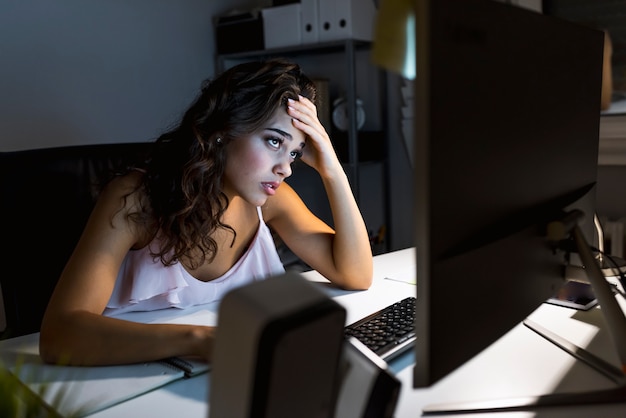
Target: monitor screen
x,y
507,108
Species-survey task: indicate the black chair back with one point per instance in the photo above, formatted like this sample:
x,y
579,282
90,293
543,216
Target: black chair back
x,y
46,196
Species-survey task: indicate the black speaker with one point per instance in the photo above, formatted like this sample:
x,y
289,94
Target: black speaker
x,y
277,351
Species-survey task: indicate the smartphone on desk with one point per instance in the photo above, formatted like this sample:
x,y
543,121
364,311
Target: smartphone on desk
x,y
575,294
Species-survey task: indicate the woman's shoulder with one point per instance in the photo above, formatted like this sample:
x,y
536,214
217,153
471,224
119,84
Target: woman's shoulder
x,y
126,184
123,201
124,193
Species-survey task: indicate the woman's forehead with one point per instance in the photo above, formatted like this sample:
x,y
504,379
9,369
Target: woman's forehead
x,y
281,121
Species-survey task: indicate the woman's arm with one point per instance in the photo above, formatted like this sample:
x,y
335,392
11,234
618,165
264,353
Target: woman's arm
x,y
74,331
344,255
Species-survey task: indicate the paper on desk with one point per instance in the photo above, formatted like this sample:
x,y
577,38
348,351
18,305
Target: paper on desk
x,y
404,277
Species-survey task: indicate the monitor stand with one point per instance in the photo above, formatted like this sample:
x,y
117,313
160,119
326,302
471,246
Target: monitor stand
x,y
616,324
610,265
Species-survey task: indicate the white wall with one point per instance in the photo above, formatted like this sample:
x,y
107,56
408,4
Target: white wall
x,y
99,71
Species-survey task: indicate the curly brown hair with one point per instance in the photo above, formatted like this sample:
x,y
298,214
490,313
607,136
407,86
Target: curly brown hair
x,y
183,201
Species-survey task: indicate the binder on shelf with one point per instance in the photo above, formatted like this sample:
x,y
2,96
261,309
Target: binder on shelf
x,y
281,25
309,21
346,19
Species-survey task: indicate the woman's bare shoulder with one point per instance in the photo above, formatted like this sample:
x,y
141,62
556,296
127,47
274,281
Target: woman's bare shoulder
x,y
126,187
122,202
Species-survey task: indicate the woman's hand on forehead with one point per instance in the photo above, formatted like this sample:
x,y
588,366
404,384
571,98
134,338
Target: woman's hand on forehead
x,y
319,152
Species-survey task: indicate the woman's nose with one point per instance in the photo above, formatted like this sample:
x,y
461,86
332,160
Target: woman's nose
x,y
283,167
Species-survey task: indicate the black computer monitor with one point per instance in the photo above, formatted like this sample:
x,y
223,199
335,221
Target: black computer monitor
x,y
507,108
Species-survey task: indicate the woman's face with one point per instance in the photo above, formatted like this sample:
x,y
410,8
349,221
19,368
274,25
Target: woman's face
x,y
257,164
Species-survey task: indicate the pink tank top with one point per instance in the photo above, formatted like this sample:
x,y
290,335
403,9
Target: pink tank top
x,y
144,284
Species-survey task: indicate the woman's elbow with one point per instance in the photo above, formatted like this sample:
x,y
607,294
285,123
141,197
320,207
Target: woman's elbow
x,y
360,285
358,279
55,342
49,347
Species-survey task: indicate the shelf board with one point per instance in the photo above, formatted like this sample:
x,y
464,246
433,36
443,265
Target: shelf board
x,y
301,49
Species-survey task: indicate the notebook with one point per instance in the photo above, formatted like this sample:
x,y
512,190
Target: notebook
x,y
80,391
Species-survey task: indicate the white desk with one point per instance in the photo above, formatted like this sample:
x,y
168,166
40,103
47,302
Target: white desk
x,y
519,364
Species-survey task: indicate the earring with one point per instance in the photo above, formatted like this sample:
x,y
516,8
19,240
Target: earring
x,y
218,140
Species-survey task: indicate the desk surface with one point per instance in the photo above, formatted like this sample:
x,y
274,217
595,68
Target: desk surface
x,y
521,363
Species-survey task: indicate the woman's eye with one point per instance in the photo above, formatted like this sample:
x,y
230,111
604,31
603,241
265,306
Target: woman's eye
x,y
295,155
275,142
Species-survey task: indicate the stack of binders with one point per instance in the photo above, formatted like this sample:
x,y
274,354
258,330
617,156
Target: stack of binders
x,y
318,21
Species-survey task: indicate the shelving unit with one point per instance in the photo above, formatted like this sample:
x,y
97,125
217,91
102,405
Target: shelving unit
x,y
351,62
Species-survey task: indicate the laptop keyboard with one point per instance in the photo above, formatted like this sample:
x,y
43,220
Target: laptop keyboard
x,y
388,332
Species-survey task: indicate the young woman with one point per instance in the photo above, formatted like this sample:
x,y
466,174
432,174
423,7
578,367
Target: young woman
x,y
192,223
